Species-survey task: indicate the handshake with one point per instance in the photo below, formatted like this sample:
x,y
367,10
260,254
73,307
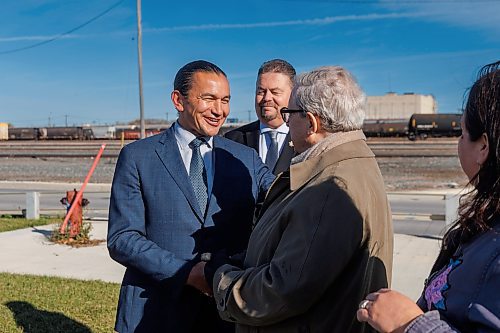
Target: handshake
x,y
202,274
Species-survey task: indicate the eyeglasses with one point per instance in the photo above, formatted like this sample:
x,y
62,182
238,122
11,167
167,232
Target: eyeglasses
x,y
285,113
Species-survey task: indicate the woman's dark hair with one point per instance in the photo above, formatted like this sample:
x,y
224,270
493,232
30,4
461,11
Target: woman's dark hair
x,y
184,77
480,207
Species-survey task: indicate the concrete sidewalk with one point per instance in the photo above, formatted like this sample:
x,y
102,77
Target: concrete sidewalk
x,y
28,251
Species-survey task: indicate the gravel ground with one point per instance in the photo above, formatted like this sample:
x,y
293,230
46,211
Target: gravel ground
x,y
404,173
400,173
56,169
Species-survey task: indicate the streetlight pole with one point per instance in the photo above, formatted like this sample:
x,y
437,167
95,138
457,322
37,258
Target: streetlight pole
x,y
139,52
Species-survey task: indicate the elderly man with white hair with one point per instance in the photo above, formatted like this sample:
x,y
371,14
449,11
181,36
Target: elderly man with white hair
x,y
324,237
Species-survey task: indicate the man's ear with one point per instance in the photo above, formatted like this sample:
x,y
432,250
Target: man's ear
x,y
314,123
484,149
177,100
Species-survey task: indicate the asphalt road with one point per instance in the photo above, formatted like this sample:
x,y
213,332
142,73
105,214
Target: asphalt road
x,y
416,213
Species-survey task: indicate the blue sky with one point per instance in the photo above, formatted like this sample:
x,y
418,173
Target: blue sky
x,y
90,76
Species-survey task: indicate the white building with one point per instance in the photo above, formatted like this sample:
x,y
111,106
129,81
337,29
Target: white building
x,y
394,106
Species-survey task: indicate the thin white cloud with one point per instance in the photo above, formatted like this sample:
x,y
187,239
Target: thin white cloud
x,y
37,38
428,56
202,27
464,14
362,64
310,22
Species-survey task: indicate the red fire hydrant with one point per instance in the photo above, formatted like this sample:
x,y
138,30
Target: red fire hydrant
x,y
76,217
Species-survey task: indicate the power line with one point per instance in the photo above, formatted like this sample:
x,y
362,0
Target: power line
x,y
64,33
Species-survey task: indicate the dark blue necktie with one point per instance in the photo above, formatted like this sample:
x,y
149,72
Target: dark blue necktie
x,y
198,174
272,151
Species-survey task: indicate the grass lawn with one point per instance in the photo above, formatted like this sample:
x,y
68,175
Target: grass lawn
x,y
14,223
41,304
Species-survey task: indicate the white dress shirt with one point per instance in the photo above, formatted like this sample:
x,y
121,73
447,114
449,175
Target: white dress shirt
x,y
183,138
265,140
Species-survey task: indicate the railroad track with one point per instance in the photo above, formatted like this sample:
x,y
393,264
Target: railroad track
x,y
52,149
83,149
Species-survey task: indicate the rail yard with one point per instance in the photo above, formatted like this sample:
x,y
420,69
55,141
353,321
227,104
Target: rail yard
x,y
418,126
382,147
405,165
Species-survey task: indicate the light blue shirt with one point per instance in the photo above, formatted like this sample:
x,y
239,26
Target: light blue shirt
x,y
183,138
265,139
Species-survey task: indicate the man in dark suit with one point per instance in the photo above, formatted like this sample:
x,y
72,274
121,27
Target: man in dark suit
x,y
269,135
180,199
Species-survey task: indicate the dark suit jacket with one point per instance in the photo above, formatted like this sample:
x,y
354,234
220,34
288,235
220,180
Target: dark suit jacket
x,y
156,228
249,136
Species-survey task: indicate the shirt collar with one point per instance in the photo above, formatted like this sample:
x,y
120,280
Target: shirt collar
x,y
283,129
184,137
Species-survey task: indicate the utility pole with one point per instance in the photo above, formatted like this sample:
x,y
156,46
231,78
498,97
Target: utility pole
x,y
66,119
139,52
249,113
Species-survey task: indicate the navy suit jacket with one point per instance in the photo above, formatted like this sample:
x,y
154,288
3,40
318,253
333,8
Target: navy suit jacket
x,y
249,135
156,228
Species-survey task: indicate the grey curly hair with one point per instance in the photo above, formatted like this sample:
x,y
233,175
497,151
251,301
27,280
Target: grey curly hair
x,y
332,94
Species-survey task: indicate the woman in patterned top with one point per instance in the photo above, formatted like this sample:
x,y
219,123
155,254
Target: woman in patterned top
x,y
462,294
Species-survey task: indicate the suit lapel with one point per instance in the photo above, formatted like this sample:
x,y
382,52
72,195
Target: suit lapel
x,y
285,156
218,167
168,152
252,137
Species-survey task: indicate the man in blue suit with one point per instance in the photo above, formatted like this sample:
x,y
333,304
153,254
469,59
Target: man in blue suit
x,y
180,199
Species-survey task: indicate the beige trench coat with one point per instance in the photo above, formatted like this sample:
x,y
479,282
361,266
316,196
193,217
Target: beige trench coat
x,y
324,241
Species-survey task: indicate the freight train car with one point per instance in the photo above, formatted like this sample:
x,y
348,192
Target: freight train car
x,y
65,133
101,132
386,128
50,133
23,133
135,133
434,125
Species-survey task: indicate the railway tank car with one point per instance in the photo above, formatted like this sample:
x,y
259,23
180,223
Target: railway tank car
x,y
434,125
65,133
386,128
22,133
49,133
